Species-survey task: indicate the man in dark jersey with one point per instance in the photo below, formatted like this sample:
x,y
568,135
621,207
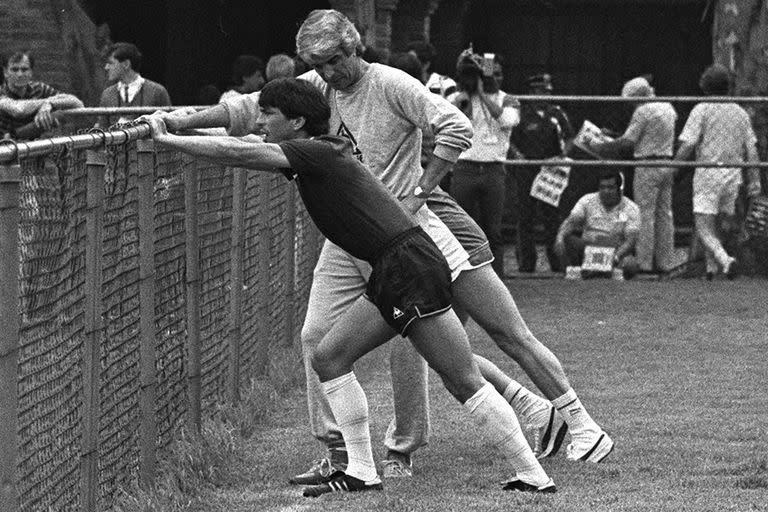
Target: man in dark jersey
x,y
408,291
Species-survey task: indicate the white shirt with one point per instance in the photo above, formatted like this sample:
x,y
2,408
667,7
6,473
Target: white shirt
x,y
133,88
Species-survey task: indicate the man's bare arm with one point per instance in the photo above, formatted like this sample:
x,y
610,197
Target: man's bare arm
x,y
214,117
222,149
434,172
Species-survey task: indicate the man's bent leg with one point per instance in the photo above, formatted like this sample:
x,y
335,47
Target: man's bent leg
x,y
338,281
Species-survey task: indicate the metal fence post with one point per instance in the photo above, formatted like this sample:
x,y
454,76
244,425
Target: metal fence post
x,y
146,185
236,280
94,224
10,178
290,267
192,244
264,258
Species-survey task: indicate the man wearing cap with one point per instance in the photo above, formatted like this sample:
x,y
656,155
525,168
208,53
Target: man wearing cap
x,y
651,136
543,132
718,132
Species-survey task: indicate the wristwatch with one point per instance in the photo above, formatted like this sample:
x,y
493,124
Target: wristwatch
x,y
420,192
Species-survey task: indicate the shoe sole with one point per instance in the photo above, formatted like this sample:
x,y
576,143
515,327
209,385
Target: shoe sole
x,y
552,443
335,488
312,480
520,486
599,451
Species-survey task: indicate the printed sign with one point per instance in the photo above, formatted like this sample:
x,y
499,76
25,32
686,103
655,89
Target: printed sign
x,y
588,135
598,259
550,182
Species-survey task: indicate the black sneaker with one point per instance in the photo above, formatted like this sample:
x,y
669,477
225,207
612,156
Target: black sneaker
x,y
322,471
343,483
518,485
733,269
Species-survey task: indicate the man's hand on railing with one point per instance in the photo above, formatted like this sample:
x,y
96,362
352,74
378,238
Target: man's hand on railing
x,y
174,120
44,118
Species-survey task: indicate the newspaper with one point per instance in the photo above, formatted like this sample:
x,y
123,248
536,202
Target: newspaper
x,y
588,135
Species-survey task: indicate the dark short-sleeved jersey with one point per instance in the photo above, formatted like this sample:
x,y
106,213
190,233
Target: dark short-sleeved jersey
x,y
349,205
541,133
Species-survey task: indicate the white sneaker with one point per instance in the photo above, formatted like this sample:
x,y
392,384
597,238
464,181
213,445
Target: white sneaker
x,y
595,449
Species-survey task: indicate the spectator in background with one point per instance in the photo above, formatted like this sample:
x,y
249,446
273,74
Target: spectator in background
x,y
435,82
300,67
27,107
718,132
605,218
247,76
650,136
280,66
129,89
479,177
543,132
207,94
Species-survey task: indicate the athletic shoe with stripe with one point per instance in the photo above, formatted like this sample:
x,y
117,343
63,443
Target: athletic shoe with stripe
x,y
322,471
548,438
595,451
343,483
518,485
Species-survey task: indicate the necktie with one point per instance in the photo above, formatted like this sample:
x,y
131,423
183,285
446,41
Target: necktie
x,y
125,94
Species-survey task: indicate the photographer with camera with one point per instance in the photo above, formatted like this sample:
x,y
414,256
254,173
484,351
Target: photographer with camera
x,y
479,176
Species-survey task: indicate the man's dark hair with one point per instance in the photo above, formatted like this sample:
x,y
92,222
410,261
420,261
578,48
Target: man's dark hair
x,y
298,98
716,80
614,175
408,62
246,65
18,56
423,50
127,51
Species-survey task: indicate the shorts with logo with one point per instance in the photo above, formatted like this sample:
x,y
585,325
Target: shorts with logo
x,y
463,227
410,279
715,190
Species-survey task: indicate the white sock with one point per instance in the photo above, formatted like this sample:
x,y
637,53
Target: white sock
x,y
350,408
580,423
533,409
496,417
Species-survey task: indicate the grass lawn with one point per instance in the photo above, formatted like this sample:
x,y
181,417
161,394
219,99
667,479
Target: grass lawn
x,y
676,372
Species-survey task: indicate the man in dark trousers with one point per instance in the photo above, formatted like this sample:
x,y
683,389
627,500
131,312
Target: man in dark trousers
x,y
543,132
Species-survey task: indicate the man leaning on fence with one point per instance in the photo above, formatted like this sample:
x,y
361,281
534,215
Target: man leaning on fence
x,y
718,132
28,107
651,136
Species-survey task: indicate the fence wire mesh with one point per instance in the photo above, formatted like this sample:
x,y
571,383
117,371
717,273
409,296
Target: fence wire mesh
x,y
52,240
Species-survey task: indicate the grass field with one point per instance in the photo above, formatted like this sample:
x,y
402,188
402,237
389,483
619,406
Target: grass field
x,y
676,372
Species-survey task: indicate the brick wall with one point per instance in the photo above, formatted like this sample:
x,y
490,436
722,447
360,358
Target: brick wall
x,y
63,40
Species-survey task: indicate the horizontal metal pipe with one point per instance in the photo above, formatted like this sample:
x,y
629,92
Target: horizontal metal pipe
x,y
11,151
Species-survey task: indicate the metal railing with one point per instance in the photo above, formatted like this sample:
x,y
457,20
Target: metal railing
x,y
137,285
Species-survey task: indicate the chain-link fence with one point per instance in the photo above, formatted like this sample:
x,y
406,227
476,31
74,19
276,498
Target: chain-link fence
x,y
149,284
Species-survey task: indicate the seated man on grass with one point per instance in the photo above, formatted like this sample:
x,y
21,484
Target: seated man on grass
x,y
606,219
409,289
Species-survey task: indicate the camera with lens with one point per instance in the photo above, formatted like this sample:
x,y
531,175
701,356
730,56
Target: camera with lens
x,y
471,66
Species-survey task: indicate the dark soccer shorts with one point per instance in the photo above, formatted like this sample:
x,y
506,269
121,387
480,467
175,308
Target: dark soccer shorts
x,y
410,279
